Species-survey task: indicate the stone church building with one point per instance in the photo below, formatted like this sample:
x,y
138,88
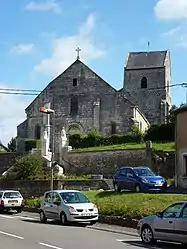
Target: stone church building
x,y
83,101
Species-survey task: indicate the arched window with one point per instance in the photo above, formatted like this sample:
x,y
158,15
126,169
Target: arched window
x,y
74,106
144,82
74,82
37,132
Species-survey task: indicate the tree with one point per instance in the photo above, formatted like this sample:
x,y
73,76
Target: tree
x,y
12,144
29,167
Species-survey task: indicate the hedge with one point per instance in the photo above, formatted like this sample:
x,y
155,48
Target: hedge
x,y
161,133
31,144
78,141
156,133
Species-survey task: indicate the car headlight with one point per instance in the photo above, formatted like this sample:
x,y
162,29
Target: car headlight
x,y
95,208
72,209
144,180
140,222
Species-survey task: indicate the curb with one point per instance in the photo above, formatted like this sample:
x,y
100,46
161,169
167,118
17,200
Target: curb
x,y
109,220
113,231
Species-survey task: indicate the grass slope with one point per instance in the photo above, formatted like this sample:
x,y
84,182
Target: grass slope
x,y
156,146
132,205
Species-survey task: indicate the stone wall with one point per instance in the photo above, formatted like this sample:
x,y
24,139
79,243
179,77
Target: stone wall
x,y
166,165
104,162
37,188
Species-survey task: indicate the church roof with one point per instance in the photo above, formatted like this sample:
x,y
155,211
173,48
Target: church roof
x,y
140,60
181,109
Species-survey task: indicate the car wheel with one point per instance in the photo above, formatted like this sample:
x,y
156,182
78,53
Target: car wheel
x,y
137,188
93,222
147,235
63,219
19,210
116,188
43,218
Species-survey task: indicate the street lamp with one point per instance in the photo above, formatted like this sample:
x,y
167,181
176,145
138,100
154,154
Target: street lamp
x,y
49,111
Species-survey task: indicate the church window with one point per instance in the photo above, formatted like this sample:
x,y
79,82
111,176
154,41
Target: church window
x,y
74,82
113,128
144,82
74,106
37,132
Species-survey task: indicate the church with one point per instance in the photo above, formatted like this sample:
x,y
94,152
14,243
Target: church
x,y
83,101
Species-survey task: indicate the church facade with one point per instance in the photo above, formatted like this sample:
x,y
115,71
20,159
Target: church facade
x,y
83,101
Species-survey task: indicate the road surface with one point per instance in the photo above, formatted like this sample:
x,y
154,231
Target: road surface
x,y
19,232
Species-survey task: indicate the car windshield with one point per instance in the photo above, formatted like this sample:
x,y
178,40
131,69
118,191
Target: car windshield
x,y
74,197
143,172
12,195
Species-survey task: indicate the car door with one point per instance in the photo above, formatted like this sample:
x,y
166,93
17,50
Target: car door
x,y
164,226
121,180
130,179
181,226
56,205
47,204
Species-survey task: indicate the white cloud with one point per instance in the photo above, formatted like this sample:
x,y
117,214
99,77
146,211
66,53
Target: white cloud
x,y
171,9
177,35
44,6
63,49
12,113
22,49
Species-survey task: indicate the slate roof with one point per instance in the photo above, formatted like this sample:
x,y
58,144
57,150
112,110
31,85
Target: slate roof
x,y
140,60
181,109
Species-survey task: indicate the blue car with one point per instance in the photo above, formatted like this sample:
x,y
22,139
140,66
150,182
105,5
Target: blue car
x,y
138,179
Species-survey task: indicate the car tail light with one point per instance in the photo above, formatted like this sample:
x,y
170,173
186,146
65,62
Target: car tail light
x,y
2,202
23,202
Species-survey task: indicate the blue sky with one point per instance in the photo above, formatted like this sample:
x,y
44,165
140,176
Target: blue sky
x,y
38,41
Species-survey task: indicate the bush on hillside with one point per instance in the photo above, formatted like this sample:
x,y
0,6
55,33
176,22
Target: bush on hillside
x,y
77,141
32,144
29,167
161,133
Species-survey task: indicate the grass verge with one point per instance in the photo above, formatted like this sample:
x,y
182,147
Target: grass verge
x,y
156,146
126,205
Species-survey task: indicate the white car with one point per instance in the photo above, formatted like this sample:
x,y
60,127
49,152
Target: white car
x,y
68,206
11,200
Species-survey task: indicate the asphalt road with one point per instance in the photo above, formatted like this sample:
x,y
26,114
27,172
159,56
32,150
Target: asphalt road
x,y
19,232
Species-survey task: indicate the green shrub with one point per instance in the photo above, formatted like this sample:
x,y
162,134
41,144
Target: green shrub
x,y
29,167
77,141
161,133
32,144
33,202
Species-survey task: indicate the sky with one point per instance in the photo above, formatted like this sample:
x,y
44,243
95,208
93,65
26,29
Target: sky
x,y
38,41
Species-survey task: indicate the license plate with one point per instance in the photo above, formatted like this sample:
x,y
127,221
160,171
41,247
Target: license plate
x,y
12,202
86,214
158,184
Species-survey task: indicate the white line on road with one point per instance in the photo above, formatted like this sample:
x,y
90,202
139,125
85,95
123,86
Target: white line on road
x,y
6,216
50,246
11,235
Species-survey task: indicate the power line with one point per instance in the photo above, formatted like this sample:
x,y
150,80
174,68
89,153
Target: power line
x,y
12,91
18,90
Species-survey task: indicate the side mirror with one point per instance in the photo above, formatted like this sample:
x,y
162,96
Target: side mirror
x,y
159,214
57,203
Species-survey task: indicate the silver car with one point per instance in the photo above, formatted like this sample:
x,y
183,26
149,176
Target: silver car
x,y
169,225
68,206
